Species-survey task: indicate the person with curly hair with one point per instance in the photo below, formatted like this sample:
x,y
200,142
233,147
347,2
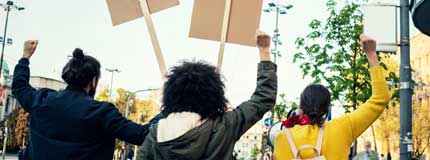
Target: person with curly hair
x,y
197,124
309,135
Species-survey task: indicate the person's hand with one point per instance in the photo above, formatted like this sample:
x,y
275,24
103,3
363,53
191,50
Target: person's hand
x,y
263,44
299,111
29,48
369,47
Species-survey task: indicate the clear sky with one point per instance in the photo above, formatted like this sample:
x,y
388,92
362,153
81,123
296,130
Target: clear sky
x,y
62,25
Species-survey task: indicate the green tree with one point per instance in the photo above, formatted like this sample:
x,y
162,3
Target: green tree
x,y
331,54
103,95
11,144
22,130
282,107
254,152
140,110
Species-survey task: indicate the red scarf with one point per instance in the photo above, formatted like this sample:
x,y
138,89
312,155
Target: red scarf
x,y
296,119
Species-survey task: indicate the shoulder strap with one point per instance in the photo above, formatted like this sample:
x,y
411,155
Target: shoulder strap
x,y
320,139
291,142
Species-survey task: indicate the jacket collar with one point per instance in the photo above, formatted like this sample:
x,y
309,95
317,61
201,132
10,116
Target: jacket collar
x,y
76,89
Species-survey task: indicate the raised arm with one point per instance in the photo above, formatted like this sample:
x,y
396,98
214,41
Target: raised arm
x,y
21,88
263,99
369,112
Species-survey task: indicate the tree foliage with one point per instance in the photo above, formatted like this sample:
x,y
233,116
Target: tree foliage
x,y
140,110
282,107
254,152
22,130
331,54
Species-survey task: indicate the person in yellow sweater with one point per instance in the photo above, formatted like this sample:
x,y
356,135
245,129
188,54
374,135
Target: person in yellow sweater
x,y
338,134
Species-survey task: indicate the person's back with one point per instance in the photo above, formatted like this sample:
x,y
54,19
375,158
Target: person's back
x,y
339,133
197,125
70,124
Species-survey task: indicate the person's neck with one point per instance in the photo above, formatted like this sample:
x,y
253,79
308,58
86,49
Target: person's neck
x,y
87,89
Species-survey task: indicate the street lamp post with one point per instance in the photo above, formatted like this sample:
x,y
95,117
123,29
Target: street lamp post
x,y
113,70
278,10
127,108
406,85
7,7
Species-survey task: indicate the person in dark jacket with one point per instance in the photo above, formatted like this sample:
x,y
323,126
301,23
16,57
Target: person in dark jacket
x,y
70,124
198,125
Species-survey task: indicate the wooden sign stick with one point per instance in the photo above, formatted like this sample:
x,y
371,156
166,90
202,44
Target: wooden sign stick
x,y
224,33
154,39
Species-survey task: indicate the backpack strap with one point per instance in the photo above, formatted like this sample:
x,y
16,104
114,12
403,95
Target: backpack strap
x,y
308,146
320,139
291,142
317,149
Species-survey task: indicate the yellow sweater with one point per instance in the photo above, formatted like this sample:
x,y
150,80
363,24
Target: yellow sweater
x,y
339,133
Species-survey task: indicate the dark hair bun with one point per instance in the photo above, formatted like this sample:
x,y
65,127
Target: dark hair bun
x,y
78,53
81,69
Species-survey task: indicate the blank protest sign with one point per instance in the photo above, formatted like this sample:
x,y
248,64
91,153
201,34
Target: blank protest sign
x,y
122,11
207,20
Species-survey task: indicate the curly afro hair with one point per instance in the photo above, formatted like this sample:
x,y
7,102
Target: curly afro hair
x,y
194,86
315,102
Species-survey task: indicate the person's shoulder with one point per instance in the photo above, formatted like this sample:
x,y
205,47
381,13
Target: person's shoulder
x,y
43,93
101,104
46,91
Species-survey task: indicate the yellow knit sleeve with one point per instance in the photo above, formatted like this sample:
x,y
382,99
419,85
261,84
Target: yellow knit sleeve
x,y
369,112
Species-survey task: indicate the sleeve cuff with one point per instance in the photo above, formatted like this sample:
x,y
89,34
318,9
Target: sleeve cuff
x,y
267,65
24,61
377,73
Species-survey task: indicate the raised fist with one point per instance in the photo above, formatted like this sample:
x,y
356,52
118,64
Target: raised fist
x,y
29,48
369,47
368,44
263,40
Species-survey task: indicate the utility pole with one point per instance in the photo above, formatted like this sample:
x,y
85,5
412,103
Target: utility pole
x,y
113,70
5,135
406,85
7,7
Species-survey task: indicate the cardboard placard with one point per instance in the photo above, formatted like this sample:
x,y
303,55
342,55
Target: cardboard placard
x,y
122,11
244,20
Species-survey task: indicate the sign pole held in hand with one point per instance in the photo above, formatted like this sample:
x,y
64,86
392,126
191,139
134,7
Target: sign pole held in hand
x,y
224,33
154,39
123,11
226,21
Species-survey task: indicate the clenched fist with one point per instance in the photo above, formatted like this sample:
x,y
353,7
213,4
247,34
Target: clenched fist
x,y
29,48
369,47
263,44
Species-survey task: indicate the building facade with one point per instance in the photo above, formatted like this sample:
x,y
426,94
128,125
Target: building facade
x,y
250,141
420,62
8,103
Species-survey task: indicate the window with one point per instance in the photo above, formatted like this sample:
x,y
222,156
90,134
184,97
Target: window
x,y
428,59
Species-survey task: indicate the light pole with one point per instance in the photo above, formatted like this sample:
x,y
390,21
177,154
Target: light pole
x,y
7,7
134,93
113,70
5,135
126,112
406,86
278,10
